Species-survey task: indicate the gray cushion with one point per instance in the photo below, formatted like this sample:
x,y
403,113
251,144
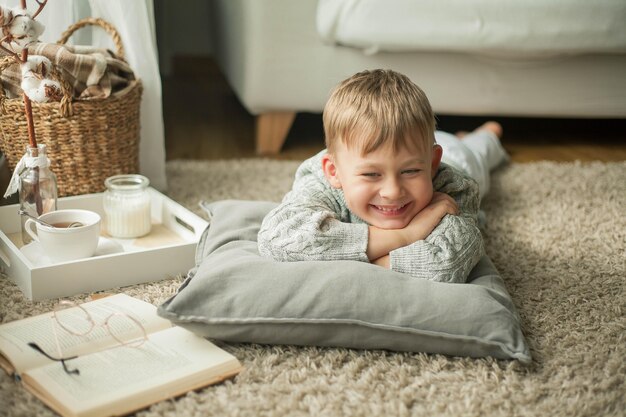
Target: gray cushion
x,y
236,295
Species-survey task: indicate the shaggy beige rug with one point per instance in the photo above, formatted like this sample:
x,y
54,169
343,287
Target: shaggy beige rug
x,y
557,233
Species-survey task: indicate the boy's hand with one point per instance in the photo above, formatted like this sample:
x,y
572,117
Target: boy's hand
x,y
384,261
426,220
382,241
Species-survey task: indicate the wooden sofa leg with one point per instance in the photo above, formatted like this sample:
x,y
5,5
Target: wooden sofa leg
x,y
271,131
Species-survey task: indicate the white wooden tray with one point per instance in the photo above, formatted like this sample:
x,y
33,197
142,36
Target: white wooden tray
x,y
168,250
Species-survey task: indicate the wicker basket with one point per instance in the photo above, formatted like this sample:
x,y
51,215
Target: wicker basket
x,y
87,140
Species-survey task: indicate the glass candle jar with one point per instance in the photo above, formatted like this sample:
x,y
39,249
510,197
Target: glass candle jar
x,y
127,206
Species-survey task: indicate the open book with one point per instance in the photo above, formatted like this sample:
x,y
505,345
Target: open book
x,y
114,379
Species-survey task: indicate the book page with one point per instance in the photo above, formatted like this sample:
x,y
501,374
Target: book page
x,y
124,379
15,336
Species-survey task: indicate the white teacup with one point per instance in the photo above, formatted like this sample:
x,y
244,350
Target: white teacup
x,y
64,243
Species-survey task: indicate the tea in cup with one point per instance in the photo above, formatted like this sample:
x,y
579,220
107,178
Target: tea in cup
x,y
74,233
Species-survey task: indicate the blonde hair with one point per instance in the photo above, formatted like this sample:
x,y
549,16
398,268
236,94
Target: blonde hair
x,y
376,108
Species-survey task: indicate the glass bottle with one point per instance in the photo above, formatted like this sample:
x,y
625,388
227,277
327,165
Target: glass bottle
x,y
38,186
127,206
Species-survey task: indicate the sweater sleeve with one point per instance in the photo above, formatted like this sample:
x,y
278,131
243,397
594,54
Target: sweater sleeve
x,y
455,246
308,224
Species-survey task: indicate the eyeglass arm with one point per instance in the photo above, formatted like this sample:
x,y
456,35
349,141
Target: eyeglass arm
x,y
36,347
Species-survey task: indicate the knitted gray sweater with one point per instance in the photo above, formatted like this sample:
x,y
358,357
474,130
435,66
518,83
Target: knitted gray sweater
x,y
313,222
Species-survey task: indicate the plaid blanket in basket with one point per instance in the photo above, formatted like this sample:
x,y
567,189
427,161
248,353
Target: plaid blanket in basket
x,y
94,73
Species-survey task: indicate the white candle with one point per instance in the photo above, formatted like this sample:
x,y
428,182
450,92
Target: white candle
x,y
127,206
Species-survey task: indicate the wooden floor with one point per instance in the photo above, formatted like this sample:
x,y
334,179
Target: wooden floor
x,y
204,120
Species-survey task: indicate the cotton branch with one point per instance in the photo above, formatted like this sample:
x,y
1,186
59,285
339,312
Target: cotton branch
x,y
28,109
41,4
20,30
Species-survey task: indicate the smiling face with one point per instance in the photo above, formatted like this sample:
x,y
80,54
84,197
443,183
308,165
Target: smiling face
x,y
386,188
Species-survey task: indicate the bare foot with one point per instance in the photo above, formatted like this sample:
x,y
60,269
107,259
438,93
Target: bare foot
x,y
494,127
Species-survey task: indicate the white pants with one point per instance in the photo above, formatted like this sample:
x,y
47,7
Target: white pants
x,y
476,154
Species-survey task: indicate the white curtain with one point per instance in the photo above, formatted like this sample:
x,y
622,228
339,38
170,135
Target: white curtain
x,y
134,20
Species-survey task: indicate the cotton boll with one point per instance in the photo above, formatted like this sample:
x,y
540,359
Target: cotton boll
x,y
41,91
30,85
37,94
34,82
24,29
36,64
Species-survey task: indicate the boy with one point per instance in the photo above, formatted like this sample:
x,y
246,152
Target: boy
x,y
379,192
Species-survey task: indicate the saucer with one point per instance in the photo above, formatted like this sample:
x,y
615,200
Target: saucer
x,y
35,254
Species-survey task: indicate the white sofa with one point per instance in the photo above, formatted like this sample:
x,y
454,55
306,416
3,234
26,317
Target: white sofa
x,y
278,65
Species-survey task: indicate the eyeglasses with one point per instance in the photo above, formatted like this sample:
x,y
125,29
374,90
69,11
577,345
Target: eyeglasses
x,y
75,320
